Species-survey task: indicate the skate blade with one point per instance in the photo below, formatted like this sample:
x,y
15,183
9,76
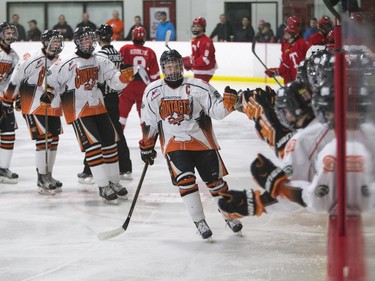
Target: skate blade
x,y
45,191
126,177
123,197
88,181
58,189
110,202
209,240
8,181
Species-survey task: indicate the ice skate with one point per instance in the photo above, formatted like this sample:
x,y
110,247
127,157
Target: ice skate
x,y
55,182
108,195
203,229
126,176
234,225
120,190
45,186
85,178
6,176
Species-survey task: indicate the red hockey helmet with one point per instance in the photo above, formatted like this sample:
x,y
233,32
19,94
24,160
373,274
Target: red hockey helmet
x,y
200,21
293,30
294,20
325,25
139,34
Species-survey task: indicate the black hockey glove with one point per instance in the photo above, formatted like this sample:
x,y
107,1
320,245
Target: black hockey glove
x,y
46,99
148,153
235,204
268,175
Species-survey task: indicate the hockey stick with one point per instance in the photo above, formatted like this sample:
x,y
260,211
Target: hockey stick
x,y
116,232
46,109
265,66
167,37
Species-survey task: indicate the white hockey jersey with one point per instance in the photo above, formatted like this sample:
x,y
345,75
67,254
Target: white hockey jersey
x,y
76,79
182,116
7,64
302,149
28,80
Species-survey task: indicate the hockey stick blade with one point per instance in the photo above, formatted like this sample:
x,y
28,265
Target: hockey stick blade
x,y
118,231
167,37
265,66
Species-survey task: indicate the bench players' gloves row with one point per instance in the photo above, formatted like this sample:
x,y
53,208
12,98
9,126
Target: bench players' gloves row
x,y
148,153
235,204
127,73
46,99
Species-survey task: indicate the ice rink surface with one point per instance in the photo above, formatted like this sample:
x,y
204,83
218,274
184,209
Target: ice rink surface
x,y
55,238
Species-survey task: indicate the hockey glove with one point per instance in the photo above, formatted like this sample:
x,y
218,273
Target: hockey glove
x,y
148,153
127,73
7,109
251,107
46,99
272,72
235,204
188,63
230,98
267,175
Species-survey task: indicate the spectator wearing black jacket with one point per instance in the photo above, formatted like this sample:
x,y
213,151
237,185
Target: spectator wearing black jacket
x,y
64,28
137,22
86,22
223,30
246,32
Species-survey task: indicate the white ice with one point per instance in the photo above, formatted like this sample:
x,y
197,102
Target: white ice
x,y
55,238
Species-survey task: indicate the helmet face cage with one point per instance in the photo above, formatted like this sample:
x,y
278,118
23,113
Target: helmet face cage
x,y
52,41
171,65
85,39
323,103
104,32
8,33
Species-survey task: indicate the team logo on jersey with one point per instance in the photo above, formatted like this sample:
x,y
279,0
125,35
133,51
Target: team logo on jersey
x,y
175,111
154,94
26,56
86,77
353,163
39,63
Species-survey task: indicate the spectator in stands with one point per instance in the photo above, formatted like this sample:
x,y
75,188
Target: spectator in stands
x,y
117,26
246,32
86,22
163,26
64,28
223,30
260,26
313,28
20,28
137,22
266,36
280,30
33,34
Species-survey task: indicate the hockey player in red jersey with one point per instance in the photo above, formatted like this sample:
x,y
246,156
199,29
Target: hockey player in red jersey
x,y
292,54
202,61
146,69
8,124
28,81
180,109
321,37
77,78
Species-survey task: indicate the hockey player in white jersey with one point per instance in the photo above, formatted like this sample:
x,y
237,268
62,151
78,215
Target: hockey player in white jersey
x,y
8,124
76,79
180,109
28,81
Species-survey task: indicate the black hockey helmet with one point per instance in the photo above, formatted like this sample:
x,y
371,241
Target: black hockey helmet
x,y
104,32
85,39
319,67
53,41
292,103
174,72
8,33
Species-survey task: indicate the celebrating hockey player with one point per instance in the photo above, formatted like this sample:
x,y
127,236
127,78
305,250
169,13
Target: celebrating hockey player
x,y
104,34
146,69
8,124
77,78
321,37
28,81
202,61
180,110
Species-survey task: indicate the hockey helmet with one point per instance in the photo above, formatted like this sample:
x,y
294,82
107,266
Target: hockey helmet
x,y
85,39
293,30
296,21
104,32
292,103
325,25
8,33
171,65
52,41
199,22
319,67
139,35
